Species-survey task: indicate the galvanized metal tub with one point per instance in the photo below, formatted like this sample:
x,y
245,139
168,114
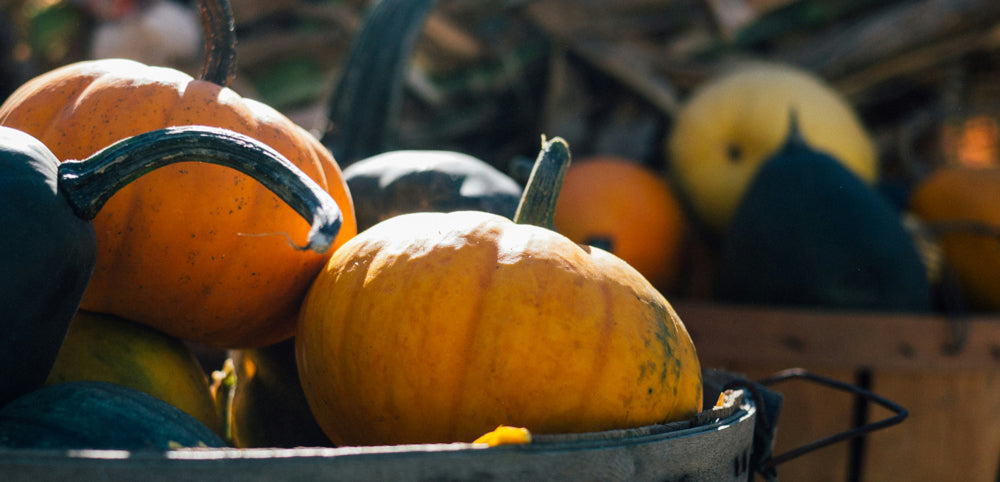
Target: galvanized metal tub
x,y
714,447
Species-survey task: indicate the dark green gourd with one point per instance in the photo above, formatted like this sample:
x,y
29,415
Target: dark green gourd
x,y
364,106
99,415
810,233
361,118
48,257
48,245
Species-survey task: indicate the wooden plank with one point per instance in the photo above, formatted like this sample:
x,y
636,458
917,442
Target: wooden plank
x,y
952,431
849,340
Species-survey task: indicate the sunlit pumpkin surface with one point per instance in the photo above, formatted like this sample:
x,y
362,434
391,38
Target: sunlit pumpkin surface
x,y
438,327
199,251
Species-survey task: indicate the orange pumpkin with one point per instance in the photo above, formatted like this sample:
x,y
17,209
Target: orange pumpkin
x,y
195,250
961,204
438,327
627,209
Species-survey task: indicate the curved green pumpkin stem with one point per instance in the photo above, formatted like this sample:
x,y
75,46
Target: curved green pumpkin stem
x,y
219,30
366,101
89,183
538,203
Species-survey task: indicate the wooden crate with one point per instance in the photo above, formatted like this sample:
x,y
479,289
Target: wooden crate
x,y
952,393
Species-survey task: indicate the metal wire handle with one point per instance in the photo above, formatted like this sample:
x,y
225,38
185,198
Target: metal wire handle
x,y
799,373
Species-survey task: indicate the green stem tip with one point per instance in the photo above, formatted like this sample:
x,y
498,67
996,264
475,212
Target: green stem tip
x,y
538,203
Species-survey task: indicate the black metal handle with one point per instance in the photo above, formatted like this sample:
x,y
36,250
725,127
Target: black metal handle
x,y
798,373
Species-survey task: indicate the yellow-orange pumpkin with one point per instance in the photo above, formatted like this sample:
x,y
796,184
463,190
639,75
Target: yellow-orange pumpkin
x,y
434,327
195,250
109,349
626,208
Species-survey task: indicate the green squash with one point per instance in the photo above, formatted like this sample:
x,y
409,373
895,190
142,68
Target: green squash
x,y
360,120
48,257
49,247
809,232
408,181
99,415
365,103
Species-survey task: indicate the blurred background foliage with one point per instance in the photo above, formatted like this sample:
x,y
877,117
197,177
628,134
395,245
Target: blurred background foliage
x,y
489,76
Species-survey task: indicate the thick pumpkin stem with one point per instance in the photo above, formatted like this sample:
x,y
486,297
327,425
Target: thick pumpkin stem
x,y
89,183
538,203
220,42
363,108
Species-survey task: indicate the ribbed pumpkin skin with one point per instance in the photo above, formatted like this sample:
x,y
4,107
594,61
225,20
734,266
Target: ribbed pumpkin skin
x,y
195,250
436,327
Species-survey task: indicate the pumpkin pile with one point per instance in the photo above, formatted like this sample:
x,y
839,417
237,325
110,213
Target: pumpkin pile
x,y
779,170
367,294
153,212
779,173
229,277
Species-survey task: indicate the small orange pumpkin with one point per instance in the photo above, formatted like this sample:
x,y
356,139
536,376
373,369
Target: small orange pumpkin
x,y
625,208
227,277
961,205
438,327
